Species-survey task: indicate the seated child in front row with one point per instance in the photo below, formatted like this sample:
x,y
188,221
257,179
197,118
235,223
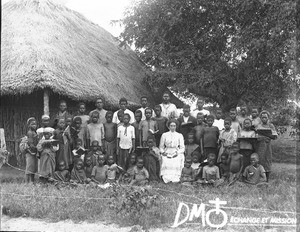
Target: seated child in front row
x,y
113,170
224,167
63,173
141,175
94,152
235,161
99,173
211,172
196,165
187,173
127,177
254,173
78,174
88,167
78,151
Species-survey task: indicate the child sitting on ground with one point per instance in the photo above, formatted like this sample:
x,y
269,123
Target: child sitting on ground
x,y
79,151
94,152
110,135
78,174
151,160
211,174
63,173
141,175
187,173
224,167
99,173
196,165
88,167
235,161
254,173
127,177
113,170
227,138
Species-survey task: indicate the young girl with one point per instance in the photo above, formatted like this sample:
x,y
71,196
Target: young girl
x,y
141,175
110,135
151,160
84,122
227,138
161,123
266,133
62,174
125,141
78,174
99,173
64,151
31,152
246,145
136,125
147,126
47,148
95,130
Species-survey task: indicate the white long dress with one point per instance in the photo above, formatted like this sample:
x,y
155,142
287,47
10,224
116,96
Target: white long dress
x,y
170,144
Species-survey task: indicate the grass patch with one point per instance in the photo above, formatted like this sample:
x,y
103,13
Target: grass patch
x,y
284,150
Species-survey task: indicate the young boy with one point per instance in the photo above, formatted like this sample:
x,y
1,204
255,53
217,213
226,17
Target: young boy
x,y
84,122
246,145
186,122
141,175
151,160
219,122
120,116
242,116
211,172
234,122
144,103
123,106
224,167
88,167
161,123
79,151
95,130
63,173
136,125
63,113
110,135
112,170
127,177
235,161
210,137
254,117
99,173
147,127
191,146
254,173
94,152
125,141
187,173
198,130
227,138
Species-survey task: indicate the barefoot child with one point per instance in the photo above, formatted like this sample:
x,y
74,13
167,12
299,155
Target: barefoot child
x,y
31,151
99,173
125,141
147,127
95,130
161,123
211,172
78,174
227,137
246,146
151,160
136,125
113,170
254,173
224,167
187,173
235,161
141,175
198,130
84,122
62,174
127,177
110,135
47,149
210,137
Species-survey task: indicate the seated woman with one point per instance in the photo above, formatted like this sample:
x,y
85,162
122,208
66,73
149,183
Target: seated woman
x,y
172,152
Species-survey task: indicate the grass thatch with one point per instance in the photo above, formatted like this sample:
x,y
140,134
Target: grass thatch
x,y
45,45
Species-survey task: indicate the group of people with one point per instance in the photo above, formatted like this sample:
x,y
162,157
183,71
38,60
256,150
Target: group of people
x,y
150,145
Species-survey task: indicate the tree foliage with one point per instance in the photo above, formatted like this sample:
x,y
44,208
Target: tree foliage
x,y
228,51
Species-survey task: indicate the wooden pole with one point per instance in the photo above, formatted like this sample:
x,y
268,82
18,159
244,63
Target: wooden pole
x,y
46,102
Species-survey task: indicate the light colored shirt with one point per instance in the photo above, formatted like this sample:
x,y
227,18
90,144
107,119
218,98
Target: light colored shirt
x,y
229,136
102,114
95,131
127,111
219,123
171,142
254,175
203,111
168,109
143,113
126,134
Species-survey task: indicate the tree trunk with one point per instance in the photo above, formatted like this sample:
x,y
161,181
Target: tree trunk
x,y
46,102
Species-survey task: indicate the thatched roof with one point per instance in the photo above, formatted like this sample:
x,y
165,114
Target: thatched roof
x,y
46,45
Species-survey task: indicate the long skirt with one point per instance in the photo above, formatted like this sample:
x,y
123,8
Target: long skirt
x,y
47,163
152,165
171,168
264,152
31,164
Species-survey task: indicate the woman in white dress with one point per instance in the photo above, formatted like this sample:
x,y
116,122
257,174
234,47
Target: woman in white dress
x,y
172,153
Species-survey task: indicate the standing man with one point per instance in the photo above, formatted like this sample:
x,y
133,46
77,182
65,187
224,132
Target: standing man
x,y
144,103
123,106
99,108
168,109
200,109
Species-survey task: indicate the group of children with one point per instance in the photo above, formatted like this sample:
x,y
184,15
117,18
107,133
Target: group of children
x,y
105,147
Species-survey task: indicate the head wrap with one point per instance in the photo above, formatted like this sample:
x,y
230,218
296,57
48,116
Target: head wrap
x,y
29,120
48,130
45,116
